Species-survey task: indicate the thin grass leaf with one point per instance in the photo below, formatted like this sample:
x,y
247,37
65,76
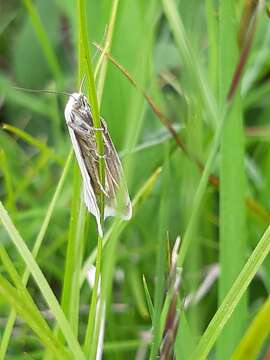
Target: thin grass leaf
x,y
255,336
189,58
232,298
33,142
92,95
32,316
41,282
232,180
148,298
133,277
24,100
7,180
34,170
212,27
90,336
31,310
12,316
160,261
103,59
119,346
71,288
227,107
43,39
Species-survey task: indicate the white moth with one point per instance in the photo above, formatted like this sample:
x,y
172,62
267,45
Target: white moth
x,y
82,133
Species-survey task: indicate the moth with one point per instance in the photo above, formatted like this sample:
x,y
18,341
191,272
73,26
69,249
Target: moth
x,y
82,132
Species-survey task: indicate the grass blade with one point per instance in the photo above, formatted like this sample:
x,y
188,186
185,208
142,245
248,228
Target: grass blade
x,y
90,336
41,283
232,182
38,242
30,313
43,39
256,334
189,58
160,263
71,288
233,297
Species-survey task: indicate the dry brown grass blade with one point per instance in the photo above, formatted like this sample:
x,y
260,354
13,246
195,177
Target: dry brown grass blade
x,y
248,40
248,12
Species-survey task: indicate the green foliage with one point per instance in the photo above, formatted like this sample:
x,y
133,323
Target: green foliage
x,y
197,164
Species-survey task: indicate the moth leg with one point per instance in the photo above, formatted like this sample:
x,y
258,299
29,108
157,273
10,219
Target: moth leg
x,y
84,133
78,130
102,189
110,175
92,128
105,126
83,123
94,175
98,155
107,146
95,170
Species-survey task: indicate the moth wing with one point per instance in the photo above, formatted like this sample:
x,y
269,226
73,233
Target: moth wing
x,y
118,203
88,192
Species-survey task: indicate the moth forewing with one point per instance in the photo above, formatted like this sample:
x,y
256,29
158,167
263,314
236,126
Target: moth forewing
x,y
88,192
82,133
118,204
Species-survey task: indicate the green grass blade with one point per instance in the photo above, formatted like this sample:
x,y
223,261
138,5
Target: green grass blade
x,y
71,288
41,282
257,332
92,332
86,55
233,297
189,58
12,316
43,39
134,280
103,60
187,239
29,309
232,182
10,198
212,27
23,305
89,341
148,298
160,261
23,99
33,142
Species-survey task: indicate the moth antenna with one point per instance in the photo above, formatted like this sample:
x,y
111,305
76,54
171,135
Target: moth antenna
x,y
41,91
82,82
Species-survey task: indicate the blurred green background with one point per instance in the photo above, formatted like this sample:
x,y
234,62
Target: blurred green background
x,y
186,77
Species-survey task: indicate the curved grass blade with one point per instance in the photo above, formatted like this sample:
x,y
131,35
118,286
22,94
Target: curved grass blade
x,y
41,283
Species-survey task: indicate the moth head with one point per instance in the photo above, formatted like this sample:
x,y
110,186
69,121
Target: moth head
x,y
79,101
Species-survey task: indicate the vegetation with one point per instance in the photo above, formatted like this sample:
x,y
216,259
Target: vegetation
x,y
183,86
